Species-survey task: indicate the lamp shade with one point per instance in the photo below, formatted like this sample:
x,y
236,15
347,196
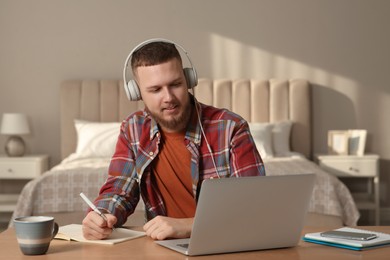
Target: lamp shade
x,y
14,124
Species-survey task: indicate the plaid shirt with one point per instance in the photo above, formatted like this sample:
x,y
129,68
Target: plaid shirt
x,y
130,174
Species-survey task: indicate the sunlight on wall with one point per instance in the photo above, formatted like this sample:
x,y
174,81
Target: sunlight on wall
x,y
233,59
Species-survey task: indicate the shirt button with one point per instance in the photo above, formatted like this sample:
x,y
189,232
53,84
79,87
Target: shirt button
x,y
150,153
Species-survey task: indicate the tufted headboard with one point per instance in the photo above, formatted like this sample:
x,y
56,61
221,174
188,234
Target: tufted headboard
x,y
256,100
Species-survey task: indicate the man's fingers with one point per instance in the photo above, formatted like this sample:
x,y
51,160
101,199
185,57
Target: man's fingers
x,y
150,227
95,227
160,228
95,234
111,220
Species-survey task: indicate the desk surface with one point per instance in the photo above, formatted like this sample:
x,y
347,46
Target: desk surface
x,y
145,248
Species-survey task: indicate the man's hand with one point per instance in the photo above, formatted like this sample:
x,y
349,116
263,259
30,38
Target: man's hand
x,y
95,227
161,227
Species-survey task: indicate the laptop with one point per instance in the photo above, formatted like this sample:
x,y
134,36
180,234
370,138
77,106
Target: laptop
x,y
246,214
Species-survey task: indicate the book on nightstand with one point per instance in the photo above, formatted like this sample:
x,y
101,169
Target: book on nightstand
x,y
381,239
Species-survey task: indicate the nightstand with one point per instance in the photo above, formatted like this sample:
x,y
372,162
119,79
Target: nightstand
x,y
351,166
19,168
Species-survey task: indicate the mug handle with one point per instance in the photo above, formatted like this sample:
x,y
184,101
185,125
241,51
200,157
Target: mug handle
x,y
55,230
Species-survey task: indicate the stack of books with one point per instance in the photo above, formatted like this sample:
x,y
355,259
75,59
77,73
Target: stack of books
x,y
381,239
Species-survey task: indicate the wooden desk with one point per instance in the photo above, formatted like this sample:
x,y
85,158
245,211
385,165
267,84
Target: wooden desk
x,y
145,248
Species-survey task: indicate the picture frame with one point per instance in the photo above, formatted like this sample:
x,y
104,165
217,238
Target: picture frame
x,y
338,142
357,141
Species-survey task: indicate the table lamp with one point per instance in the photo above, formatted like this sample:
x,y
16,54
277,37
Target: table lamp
x,y
14,124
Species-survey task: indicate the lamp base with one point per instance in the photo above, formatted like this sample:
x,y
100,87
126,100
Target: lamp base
x,y
15,146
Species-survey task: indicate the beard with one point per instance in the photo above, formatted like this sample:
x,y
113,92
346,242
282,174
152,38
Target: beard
x,y
176,122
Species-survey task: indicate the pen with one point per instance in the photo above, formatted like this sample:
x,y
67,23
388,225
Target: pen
x,y
93,207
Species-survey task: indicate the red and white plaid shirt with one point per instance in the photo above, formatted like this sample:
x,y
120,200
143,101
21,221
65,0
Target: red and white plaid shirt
x,y
130,174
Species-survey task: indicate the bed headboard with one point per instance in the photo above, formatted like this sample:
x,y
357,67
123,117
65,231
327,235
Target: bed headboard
x,y
256,100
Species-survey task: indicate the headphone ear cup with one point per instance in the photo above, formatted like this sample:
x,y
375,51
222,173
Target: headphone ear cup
x,y
132,91
191,78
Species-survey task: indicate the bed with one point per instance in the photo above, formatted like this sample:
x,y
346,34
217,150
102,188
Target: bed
x,y
278,112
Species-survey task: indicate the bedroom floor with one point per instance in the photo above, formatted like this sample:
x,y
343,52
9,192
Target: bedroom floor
x,y
4,220
3,226
367,218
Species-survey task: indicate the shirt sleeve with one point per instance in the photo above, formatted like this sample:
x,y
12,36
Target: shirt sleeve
x,y
245,160
120,193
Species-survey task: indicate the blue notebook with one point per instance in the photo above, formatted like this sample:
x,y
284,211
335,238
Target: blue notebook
x,y
382,239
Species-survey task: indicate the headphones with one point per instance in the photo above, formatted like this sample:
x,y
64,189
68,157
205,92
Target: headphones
x,y
131,86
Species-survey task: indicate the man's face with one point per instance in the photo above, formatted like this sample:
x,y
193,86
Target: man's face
x,y
164,91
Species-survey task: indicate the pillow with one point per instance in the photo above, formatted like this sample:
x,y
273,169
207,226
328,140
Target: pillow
x,y
262,135
96,139
281,138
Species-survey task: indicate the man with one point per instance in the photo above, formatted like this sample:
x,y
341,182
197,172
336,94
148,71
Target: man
x,y
165,152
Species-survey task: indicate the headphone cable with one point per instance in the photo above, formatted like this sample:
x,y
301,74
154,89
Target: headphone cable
x,y
204,135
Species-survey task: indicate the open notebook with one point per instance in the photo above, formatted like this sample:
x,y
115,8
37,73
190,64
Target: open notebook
x,y
74,232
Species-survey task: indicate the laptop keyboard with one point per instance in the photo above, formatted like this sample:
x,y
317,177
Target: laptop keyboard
x,y
183,245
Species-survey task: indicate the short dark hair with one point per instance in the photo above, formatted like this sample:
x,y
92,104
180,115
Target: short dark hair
x,y
154,53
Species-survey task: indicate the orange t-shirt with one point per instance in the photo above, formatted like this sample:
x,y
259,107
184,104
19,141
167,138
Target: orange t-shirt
x,y
173,176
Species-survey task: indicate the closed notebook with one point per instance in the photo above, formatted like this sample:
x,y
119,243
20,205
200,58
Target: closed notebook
x,y
74,232
381,239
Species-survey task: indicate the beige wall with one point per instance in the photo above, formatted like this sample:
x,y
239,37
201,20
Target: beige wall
x,y
342,47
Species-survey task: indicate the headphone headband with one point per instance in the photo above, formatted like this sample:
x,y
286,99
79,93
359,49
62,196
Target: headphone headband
x,y
131,87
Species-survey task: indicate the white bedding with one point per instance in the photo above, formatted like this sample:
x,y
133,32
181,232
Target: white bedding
x,y
73,161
